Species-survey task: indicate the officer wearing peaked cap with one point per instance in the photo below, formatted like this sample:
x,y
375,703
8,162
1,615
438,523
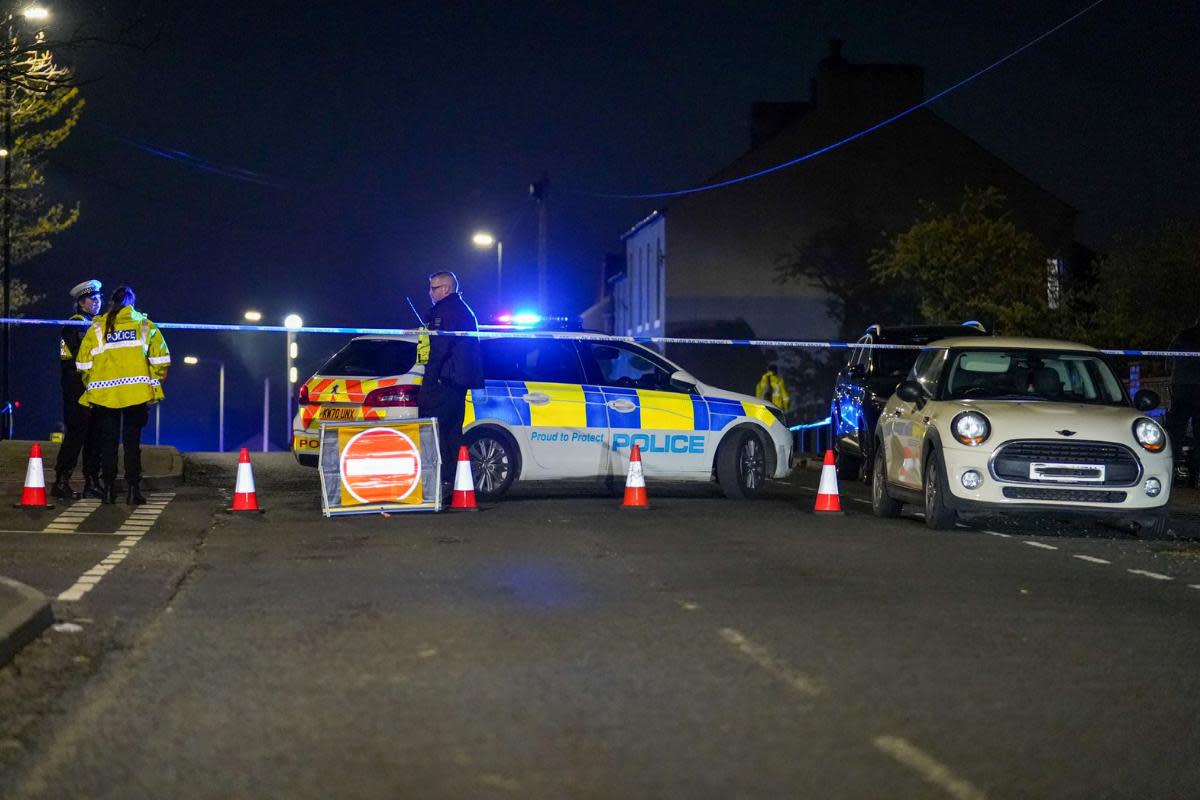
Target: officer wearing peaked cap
x,y
82,432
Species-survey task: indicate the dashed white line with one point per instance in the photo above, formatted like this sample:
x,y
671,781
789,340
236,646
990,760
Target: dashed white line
x,y
1158,576
777,667
1092,559
1042,545
1194,585
929,768
92,577
998,533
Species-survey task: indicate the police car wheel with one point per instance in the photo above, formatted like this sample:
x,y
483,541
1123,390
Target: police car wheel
x,y
742,465
493,462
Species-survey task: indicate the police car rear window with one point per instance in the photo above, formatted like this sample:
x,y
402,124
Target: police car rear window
x,y
372,357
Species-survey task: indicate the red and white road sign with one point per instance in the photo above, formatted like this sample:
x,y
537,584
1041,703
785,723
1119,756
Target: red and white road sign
x,y
380,465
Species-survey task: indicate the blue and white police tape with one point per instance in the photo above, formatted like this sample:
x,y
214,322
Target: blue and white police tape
x,y
525,333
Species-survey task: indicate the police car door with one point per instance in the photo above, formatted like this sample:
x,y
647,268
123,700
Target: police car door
x,y
646,409
562,431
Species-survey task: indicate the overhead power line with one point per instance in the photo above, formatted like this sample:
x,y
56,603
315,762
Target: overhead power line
x,y
852,137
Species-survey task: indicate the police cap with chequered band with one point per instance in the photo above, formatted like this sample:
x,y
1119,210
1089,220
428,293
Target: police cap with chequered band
x,y
84,289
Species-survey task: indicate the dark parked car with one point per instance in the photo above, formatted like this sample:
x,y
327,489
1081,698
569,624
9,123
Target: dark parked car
x,y
867,381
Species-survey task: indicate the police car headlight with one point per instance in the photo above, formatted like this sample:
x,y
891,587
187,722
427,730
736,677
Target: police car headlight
x,y
1150,435
775,412
971,428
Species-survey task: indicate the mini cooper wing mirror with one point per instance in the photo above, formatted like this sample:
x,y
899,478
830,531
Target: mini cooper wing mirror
x,y
1146,400
683,381
909,392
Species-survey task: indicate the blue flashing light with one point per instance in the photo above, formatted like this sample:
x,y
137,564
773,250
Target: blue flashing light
x,y
525,318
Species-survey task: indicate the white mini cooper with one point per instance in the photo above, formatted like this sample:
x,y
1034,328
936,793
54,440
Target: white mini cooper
x,y
1011,424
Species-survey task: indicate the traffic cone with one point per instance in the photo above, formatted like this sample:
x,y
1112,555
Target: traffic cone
x,y
635,483
244,496
463,498
828,501
34,493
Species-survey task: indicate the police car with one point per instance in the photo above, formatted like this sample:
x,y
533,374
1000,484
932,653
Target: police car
x,y
562,407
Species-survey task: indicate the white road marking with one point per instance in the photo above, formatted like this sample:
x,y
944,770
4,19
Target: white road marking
x,y
1041,545
929,768
998,533
1093,559
71,517
92,577
1194,585
1155,575
777,667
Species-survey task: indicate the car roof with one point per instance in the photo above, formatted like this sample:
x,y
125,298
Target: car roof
x,y
1001,342
920,334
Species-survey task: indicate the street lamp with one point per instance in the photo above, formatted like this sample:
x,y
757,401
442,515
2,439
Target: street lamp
x,y
484,240
253,316
32,14
293,323
193,361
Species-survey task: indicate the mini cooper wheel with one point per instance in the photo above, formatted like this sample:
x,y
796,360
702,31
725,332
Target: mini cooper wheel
x,y
742,465
493,462
937,514
882,503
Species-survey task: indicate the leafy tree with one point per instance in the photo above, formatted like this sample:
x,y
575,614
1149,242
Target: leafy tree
x,y
1147,287
45,108
974,262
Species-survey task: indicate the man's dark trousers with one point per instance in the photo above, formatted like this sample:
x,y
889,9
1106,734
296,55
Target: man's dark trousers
x,y
448,403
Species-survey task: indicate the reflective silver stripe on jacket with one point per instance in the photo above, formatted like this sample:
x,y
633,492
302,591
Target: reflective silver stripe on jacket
x,y
158,360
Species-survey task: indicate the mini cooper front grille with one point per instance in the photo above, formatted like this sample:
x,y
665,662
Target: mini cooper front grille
x,y
1065,495
1013,460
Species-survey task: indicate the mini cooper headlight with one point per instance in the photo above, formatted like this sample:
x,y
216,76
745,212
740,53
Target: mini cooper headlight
x,y
1150,435
971,428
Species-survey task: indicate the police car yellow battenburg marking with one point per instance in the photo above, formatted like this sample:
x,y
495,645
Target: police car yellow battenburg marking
x,y
758,412
566,408
666,410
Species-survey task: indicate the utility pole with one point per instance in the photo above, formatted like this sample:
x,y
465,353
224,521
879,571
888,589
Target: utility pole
x,y
6,211
540,190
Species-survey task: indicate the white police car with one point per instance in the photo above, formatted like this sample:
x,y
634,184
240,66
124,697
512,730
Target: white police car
x,y
563,407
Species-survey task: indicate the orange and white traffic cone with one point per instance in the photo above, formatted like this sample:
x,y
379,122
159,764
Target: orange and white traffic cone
x,y
635,482
828,501
463,498
34,493
244,496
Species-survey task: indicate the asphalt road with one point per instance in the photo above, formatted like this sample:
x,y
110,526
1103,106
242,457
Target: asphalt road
x,y
555,646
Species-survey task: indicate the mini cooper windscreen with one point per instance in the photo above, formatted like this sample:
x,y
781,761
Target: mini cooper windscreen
x,y
1032,375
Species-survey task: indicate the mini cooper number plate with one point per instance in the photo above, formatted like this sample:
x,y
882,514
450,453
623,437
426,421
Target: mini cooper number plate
x,y
1066,473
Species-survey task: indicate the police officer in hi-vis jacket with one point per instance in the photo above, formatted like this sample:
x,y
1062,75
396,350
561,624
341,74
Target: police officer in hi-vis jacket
x,y
124,361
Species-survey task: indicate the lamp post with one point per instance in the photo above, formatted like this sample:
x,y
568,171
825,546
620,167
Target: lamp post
x,y
293,322
32,14
484,240
192,361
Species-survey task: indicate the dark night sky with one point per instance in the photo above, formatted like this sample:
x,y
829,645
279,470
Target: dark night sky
x,y
389,131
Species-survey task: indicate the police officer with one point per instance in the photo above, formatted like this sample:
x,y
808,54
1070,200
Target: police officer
x,y
1185,402
453,366
124,361
81,430
772,389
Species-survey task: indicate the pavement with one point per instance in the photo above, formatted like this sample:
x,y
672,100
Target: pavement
x,y
25,612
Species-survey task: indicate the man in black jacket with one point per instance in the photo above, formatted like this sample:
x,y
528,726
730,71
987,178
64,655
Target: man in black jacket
x,y
453,368
81,431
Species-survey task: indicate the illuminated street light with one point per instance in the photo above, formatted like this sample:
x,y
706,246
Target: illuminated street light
x,y
484,240
192,361
36,13
293,322
253,316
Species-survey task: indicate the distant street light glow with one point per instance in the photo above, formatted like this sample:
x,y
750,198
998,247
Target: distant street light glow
x,y
293,322
36,14
191,360
253,316
483,239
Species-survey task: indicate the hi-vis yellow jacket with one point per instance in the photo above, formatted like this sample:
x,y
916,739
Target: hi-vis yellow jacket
x,y
771,387
126,367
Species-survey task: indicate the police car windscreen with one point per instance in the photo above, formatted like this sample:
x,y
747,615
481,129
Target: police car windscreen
x,y
372,358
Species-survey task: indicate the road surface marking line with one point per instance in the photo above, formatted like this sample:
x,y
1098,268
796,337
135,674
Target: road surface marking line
x,y
998,533
1041,545
929,768
777,667
1093,559
1194,585
1158,576
93,576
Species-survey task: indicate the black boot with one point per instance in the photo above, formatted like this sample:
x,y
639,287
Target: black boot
x,y
108,493
91,487
134,496
62,487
